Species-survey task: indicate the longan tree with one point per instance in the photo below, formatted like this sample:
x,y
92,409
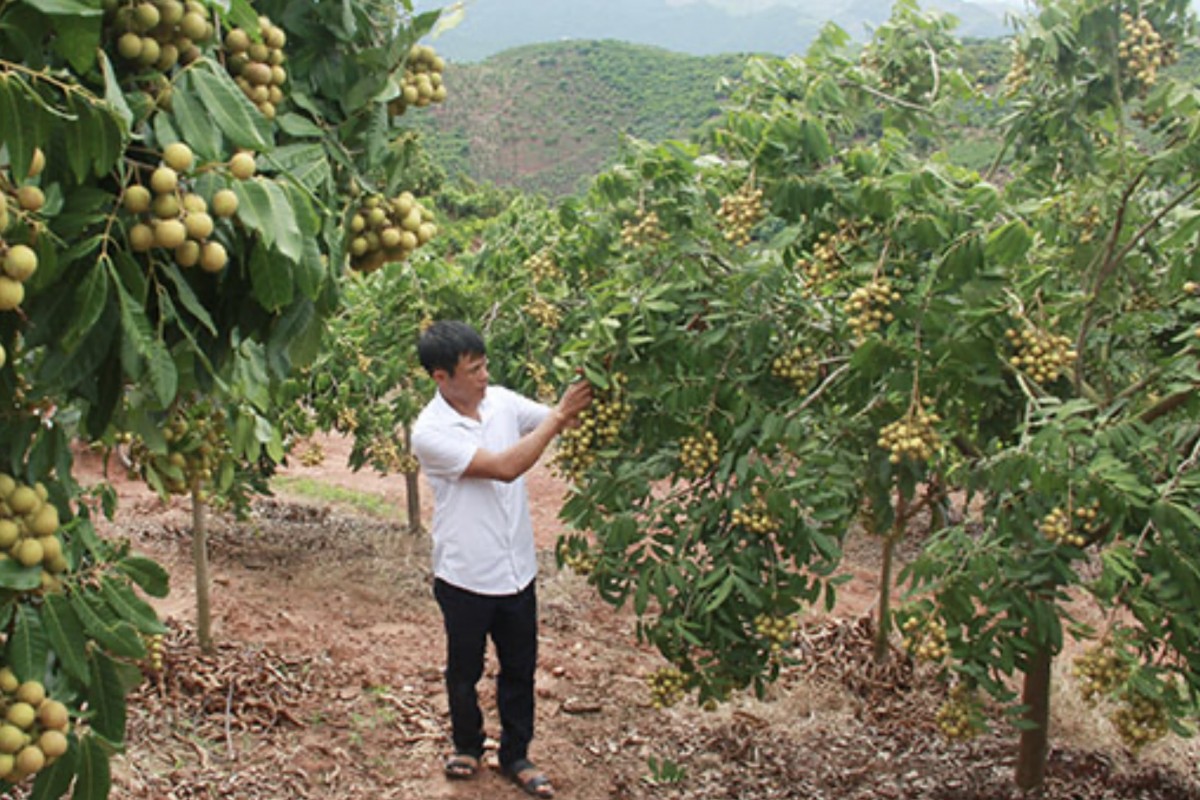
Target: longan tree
x,y
815,318
177,181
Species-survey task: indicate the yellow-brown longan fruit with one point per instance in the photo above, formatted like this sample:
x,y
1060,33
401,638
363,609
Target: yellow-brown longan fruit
x,y
12,293
188,253
30,760
20,263
53,714
170,233
37,163
141,237
53,743
32,692
242,166
213,257
30,198
137,199
225,203
164,180
178,156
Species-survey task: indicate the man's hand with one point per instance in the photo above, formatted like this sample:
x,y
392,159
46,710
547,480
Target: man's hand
x,y
576,398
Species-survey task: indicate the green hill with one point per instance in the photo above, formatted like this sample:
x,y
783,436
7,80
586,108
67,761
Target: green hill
x,y
541,117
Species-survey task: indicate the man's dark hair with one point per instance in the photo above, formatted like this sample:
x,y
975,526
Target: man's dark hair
x,y
445,341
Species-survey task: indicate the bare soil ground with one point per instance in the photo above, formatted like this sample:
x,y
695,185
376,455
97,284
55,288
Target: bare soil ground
x,y
326,683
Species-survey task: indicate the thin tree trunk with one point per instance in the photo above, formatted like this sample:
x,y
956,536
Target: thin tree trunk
x,y
200,565
412,489
1034,748
883,628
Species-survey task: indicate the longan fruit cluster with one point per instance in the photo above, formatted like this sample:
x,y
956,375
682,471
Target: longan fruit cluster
x,y
542,267
1100,671
646,231
169,217
1057,527
925,638
34,732
160,34
539,373
740,212
1142,49
1018,73
155,648
599,426
313,454
869,307
542,311
387,455
29,196
798,365
1140,720
699,454
257,64
421,83
1039,354
346,421
912,437
580,562
1189,287
826,264
667,686
1087,223
754,516
18,263
29,525
385,230
777,631
195,437
955,718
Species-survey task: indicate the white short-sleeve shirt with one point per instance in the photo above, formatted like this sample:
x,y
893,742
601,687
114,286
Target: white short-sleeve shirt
x,y
482,531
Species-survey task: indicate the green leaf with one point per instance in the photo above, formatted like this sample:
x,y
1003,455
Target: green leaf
x,y
18,578
65,634
271,279
131,607
187,296
148,575
117,636
264,207
77,34
163,377
196,126
91,296
1009,243
27,647
230,109
95,775
65,7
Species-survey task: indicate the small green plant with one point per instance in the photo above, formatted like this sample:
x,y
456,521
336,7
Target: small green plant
x,y
664,772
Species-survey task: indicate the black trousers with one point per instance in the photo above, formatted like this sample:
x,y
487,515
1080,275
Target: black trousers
x,y
511,622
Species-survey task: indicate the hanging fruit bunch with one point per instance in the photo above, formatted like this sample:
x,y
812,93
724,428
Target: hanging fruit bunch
x,y
33,733
256,64
798,366
599,426
958,718
169,216
1143,50
196,441
870,307
29,525
542,267
159,34
667,686
421,83
18,259
778,631
387,230
740,212
644,230
911,437
826,265
754,516
699,454
1038,353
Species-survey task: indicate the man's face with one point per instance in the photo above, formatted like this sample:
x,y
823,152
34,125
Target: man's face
x,y
469,382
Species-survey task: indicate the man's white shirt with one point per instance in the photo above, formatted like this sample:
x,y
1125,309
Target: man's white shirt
x,y
482,531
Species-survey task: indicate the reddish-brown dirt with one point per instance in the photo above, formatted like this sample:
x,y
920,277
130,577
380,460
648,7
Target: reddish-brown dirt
x,y
325,682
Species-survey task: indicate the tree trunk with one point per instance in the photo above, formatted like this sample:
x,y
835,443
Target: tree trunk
x,y
883,628
200,565
412,490
1031,760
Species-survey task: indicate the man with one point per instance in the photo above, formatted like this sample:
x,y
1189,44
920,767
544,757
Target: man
x,y
475,442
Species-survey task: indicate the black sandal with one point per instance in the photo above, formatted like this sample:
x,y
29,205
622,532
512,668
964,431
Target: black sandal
x,y
535,784
461,766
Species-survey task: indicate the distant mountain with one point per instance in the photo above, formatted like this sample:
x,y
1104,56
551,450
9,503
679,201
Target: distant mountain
x,y
544,117
695,28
